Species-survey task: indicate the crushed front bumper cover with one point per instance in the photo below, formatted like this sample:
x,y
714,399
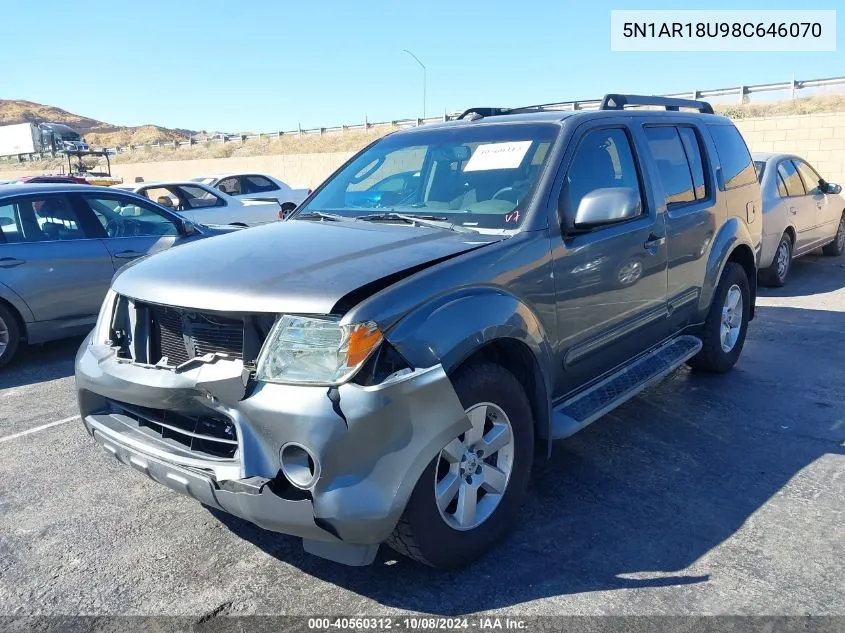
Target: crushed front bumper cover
x,y
370,444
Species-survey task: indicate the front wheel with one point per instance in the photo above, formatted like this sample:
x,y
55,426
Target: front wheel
x,y
469,495
837,246
724,329
10,336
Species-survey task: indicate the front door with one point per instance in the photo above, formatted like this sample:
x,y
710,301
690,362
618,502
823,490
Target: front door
x,y
825,223
610,282
133,229
51,257
801,209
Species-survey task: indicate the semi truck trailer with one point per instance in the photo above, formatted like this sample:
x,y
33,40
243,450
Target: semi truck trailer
x,y
37,138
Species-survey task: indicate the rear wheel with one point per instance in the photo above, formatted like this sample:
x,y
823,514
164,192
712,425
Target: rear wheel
x,y
724,329
469,495
775,275
837,246
10,336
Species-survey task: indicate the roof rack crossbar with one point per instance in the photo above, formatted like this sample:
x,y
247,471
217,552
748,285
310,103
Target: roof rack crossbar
x,y
619,101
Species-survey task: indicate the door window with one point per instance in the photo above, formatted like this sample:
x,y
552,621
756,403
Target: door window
x,y
259,184
197,197
231,185
126,217
791,179
604,159
669,155
41,219
810,177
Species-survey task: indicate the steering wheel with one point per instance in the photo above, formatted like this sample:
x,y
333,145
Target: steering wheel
x,y
125,227
501,191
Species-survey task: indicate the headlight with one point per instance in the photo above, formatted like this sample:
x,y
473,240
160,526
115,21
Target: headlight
x,y
103,326
315,351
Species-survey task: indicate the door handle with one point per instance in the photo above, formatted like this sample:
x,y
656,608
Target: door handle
x,y
127,254
819,204
654,242
793,210
10,262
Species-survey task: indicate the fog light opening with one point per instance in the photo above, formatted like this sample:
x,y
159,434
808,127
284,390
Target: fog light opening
x,y
299,466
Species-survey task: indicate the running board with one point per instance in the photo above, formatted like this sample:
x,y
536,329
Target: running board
x,y
588,406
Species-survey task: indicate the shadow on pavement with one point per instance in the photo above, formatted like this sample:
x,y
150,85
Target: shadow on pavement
x,y
810,275
644,493
39,363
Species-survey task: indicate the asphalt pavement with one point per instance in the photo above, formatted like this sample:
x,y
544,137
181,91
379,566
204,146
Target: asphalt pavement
x,y
705,495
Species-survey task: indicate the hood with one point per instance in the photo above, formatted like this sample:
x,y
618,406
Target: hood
x,y
298,266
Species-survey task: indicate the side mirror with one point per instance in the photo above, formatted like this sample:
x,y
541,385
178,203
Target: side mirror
x,y
607,206
187,228
833,188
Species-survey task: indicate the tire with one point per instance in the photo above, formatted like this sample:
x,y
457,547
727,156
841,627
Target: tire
x,y
713,357
837,246
10,335
775,275
435,538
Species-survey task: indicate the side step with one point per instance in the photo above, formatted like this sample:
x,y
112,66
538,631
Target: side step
x,y
588,406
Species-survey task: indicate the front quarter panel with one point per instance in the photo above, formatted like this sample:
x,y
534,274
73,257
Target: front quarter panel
x,y
732,234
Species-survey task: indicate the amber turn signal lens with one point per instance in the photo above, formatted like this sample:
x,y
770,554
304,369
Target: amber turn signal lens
x,y
362,341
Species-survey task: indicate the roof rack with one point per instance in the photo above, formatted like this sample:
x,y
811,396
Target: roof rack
x,y
618,102
609,102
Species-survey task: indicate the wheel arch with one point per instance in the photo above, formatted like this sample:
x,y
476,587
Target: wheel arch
x,y
20,311
733,243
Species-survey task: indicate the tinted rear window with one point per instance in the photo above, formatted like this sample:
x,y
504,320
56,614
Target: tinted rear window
x,y
737,168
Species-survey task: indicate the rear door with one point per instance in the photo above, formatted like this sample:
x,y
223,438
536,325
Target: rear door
x,y
801,209
52,257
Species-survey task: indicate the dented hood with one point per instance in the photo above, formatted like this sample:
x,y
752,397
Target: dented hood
x,y
298,266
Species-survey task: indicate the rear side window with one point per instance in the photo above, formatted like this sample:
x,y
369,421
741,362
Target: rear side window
x,y
791,180
667,151
737,168
695,157
41,219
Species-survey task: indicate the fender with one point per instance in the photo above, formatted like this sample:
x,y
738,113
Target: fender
x,y
456,325
16,301
732,234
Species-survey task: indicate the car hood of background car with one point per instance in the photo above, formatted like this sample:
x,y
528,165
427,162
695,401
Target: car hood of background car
x,y
299,266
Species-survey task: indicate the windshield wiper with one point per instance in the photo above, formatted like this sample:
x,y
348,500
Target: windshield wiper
x,y
319,215
432,221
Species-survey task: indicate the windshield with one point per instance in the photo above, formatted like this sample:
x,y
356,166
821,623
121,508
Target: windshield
x,y
479,177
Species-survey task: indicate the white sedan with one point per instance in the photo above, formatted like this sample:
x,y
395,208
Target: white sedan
x,y
801,212
257,187
205,205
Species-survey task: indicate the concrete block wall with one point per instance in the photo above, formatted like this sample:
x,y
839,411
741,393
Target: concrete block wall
x,y
818,138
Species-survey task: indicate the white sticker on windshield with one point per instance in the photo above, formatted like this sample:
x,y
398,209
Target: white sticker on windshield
x,y
498,156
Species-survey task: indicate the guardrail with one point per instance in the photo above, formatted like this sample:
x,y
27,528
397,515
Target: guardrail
x,y
742,94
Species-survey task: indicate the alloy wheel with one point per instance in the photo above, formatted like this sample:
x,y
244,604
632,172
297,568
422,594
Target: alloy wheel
x,y
4,336
474,469
782,259
731,319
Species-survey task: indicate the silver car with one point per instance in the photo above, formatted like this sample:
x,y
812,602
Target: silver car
x,y
60,245
801,212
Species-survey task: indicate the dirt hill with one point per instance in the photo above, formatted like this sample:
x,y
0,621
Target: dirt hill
x,y
97,133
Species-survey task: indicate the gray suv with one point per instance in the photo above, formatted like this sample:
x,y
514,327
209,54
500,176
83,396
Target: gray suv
x,y
380,367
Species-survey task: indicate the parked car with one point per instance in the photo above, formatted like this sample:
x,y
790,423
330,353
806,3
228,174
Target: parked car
x,y
381,371
202,203
258,187
60,245
801,213
52,179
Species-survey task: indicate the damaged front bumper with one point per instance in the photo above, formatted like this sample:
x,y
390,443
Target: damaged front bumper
x,y
367,446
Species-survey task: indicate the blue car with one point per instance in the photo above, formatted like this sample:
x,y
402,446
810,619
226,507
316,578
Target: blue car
x,y
60,245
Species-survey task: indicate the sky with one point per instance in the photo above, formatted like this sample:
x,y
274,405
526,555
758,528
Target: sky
x,y
262,66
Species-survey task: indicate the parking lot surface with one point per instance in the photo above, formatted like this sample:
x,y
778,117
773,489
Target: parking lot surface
x,y
705,495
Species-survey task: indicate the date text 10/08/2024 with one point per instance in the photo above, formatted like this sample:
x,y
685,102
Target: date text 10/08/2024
x,y
417,623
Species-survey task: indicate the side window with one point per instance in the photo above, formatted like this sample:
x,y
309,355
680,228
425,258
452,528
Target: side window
x,y
127,217
604,159
41,219
810,177
162,196
782,187
199,198
231,185
791,179
259,184
669,155
737,168
695,157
